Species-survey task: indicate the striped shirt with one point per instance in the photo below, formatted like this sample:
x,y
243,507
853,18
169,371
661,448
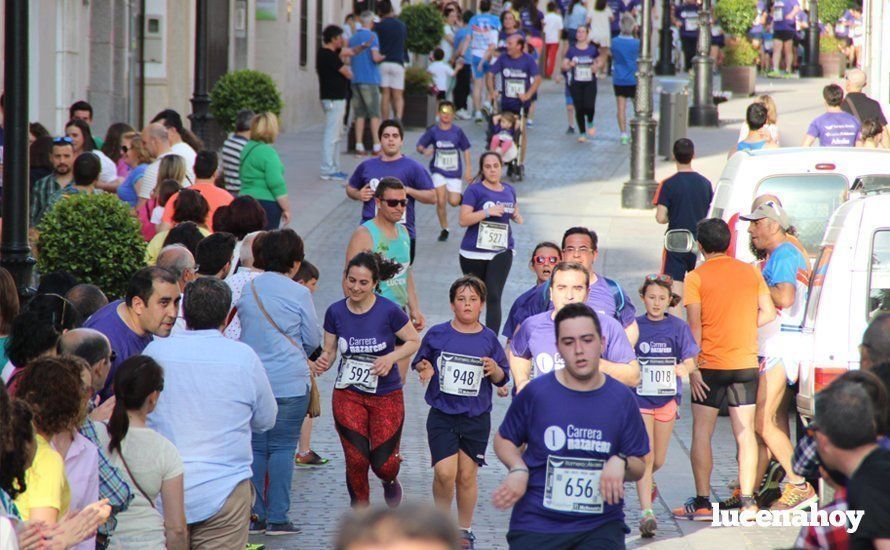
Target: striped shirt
x,y
150,179
231,161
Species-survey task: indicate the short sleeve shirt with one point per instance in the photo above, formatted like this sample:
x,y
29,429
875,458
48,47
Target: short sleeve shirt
x,y
364,70
448,147
785,264
867,491
687,197
407,170
124,341
668,338
480,197
516,76
835,129
45,482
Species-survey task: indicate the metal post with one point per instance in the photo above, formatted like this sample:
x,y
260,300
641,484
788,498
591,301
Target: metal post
x,y
665,65
703,112
15,254
640,189
201,100
811,68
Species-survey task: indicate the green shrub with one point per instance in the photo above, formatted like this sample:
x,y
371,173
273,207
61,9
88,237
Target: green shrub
x,y
94,238
828,43
832,10
243,90
740,53
736,16
425,27
417,81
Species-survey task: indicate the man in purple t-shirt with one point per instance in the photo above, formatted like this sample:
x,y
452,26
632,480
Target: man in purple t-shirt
x,y
584,438
519,76
834,127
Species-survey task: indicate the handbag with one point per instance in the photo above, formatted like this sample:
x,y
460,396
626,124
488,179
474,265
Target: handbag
x,y
314,410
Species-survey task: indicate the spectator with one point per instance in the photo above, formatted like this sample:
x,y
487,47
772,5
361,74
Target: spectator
x,y
463,60
875,347
833,128
40,159
871,135
62,158
36,131
262,172
278,321
180,261
858,103
17,446
153,465
403,527
137,158
82,140
94,348
206,167
201,366
162,195
245,273
9,310
182,141
441,73
759,136
772,120
81,110
214,255
113,147
552,33
625,51
87,299
241,218
393,34
231,150
189,206
366,81
685,17
333,88
157,141
149,308
188,234
85,171
451,15
57,282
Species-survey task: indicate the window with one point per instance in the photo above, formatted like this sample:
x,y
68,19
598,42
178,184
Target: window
x,y
304,32
809,200
319,23
879,274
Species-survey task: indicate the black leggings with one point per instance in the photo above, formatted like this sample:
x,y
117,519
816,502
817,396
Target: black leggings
x,y
493,273
462,87
585,108
690,49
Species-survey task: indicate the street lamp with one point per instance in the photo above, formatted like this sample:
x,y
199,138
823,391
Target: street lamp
x,y
15,254
665,65
703,112
640,189
811,68
201,100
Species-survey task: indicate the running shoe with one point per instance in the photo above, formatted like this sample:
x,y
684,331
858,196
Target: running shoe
x,y
648,524
336,176
257,527
478,116
255,546
530,123
377,149
360,150
769,490
443,235
733,502
625,139
463,115
570,130
693,510
467,540
310,459
277,529
774,74
392,493
795,497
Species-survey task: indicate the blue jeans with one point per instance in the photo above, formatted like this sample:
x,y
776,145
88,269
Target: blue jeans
x,y
273,454
333,124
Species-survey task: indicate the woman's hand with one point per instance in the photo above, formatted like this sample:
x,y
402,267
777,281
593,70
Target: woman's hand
x,y
496,211
322,364
383,364
425,370
285,218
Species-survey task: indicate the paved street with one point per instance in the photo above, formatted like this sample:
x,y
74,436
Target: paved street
x,y
566,184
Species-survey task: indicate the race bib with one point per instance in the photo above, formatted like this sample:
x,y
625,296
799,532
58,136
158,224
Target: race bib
x,y
583,73
658,376
446,160
460,374
840,28
514,87
573,485
355,370
691,23
492,236
778,13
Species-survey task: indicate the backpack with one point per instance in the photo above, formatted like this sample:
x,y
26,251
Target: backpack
x,y
614,287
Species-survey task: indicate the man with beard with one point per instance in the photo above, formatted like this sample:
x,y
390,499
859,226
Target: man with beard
x,y
62,158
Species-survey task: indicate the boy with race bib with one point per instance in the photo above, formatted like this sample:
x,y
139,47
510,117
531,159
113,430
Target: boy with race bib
x,y
460,360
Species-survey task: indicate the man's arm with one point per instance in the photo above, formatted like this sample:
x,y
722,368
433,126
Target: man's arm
x,y
809,140
360,241
520,371
346,71
425,196
626,373
766,311
661,214
265,408
413,303
489,84
782,294
633,333
516,482
536,83
693,318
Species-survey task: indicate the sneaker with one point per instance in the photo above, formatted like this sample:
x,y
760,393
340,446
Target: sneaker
x,y
360,150
648,524
392,493
530,123
625,139
443,236
277,529
463,115
467,540
795,497
693,510
310,459
257,527
591,132
733,502
376,148
336,176
582,139
478,116
570,130
774,74
770,490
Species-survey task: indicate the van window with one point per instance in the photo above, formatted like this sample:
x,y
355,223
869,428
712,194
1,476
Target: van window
x,y
809,201
879,274
817,283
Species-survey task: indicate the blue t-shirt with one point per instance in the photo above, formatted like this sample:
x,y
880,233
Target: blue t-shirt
x,y
625,53
781,10
687,197
481,197
459,38
687,14
519,310
787,264
407,170
370,333
835,129
127,190
516,77
448,146
481,26
443,344
841,27
124,342
364,70
668,338
576,17
536,341
583,58
573,429
392,33
751,145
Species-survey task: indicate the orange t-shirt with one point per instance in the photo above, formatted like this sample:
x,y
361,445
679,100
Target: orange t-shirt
x,y
215,196
728,291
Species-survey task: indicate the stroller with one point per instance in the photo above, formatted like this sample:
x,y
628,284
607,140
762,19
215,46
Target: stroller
x,y
514,156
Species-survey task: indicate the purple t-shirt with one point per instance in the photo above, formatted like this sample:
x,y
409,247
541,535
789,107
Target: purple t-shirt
x,y
369,333
519,311
601,300
447,148
124,342
481,197
687,14
410,172
567,432
835,129
781,10
516,77
669,338
536,341
583,58
443,346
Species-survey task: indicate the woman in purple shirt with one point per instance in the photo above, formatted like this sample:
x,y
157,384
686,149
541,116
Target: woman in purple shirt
x,y
582,62
460,360
367,404
487,248
784,15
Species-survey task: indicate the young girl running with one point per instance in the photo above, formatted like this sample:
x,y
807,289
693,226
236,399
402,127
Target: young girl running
x,y
460,360
666,351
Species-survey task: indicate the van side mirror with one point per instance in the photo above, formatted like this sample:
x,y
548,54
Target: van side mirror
x,y
680,240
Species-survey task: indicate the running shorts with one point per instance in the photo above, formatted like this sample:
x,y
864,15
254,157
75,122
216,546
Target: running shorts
x,y
454,185
611,535
783,35
739,386
625,91
449,433
667,412
678,264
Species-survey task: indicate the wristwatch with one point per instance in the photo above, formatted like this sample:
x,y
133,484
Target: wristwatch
x,y
623,457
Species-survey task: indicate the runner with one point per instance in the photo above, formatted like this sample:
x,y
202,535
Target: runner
x,y
486,251
484,28
666,352
583,60
460,360
583,439
685,17
544,257
367,403
534,349
518,74
445,142
784,14
384,235
392,163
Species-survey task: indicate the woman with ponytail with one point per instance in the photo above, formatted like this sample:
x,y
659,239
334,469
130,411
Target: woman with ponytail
x,y
368,406
150,463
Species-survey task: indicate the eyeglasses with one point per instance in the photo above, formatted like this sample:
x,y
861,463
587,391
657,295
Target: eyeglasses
x,y
541,260
660,277
63,139
392,203
579,250
124,148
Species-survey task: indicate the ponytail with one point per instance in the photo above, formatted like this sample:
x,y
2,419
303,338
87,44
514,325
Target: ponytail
x,y
135,379
381,268
118,426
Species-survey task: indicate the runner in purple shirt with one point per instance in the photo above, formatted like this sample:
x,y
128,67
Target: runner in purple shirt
x,y
544,257
834,127
518,74
459,361
784,17
583,438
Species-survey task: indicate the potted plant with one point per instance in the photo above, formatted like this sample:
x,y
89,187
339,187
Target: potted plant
x,y
425,30
832,59
739,72
241,90
420,105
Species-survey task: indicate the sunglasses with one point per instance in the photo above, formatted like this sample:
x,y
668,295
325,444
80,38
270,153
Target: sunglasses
x,y
661,278
124,148
541,260
63,139
392,203
112,357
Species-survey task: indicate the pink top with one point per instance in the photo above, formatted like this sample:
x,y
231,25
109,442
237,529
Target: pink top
x,y
123,169
82,471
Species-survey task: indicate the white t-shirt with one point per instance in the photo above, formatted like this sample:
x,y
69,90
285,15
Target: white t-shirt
x,y
150,177
445,45
600,30
552,28
441,72
108,173
153,459
185,151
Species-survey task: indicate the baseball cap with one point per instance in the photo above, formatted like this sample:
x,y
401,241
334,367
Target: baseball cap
x,y
771,210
